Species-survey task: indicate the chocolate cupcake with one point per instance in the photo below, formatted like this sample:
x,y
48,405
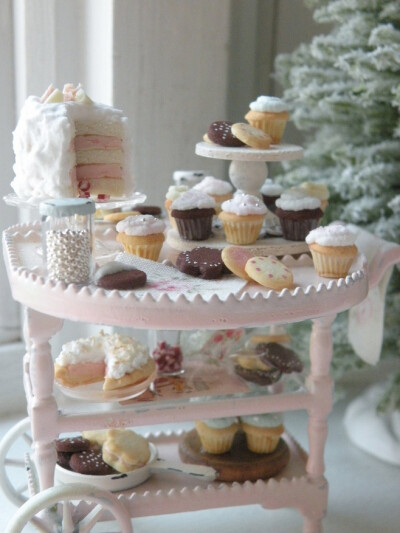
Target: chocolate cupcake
x,y
193,212
270,192
298,214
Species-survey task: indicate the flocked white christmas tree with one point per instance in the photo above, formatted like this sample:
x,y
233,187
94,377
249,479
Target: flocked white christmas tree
x,y
343,90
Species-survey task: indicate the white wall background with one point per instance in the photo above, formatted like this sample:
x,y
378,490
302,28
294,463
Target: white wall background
x,y
173,66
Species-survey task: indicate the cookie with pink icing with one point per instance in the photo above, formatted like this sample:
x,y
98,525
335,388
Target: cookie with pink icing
x,y
269,272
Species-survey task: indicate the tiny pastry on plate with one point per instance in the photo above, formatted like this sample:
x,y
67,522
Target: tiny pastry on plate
x,y
202,262
193,213
220,132
269,272
217,434
235,259
116,360
119,276
262,431
251,367
333,250
125,450
90,463
279,356
142,235
114,218
250,136
242,218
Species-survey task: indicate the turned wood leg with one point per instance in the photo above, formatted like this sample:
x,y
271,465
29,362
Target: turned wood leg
x,y
42,406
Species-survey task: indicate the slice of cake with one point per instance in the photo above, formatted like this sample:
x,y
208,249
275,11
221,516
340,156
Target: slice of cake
x,y
66,145
117,360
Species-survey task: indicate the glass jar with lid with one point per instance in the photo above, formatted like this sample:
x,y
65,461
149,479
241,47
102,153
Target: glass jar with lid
x,y
67,237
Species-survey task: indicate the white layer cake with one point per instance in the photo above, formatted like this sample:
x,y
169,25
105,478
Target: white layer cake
x,y
65,145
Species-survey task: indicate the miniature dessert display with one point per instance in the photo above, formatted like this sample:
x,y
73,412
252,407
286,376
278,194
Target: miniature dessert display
x,y
119,276
141,235
217,434
269,272
270,192
333,250
168,358
250,136
202,262
298,213
242,218
193,212
66,145
115,360
269,113
220,132
220,190
67,238
262,431
235,259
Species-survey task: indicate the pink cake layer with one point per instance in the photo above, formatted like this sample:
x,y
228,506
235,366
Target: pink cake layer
x,y
97,142
98,170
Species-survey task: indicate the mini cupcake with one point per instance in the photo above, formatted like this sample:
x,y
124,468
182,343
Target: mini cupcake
x,y
269,113
319,190
172,194
270,193
242,218
298,214
262,431
333,250
217,434
193,212
141,235
220,190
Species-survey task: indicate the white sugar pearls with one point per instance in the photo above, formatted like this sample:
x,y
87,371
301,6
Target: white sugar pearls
x,y
69,255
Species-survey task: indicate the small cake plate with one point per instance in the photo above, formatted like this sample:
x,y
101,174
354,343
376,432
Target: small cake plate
x,y
94,391
120,481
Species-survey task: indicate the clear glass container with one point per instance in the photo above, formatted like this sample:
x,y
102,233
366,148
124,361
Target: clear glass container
x,y
67,237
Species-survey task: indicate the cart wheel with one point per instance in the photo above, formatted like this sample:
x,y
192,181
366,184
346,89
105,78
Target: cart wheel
x,y
13,447
60,514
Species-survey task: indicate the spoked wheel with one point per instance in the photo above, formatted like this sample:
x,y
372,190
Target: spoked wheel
x,y
16,471
52,510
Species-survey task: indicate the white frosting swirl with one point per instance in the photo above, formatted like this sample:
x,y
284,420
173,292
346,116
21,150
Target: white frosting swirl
x,y
193,199
267,420
332,235
121,354
175,190
297,200
211,185
140,225
220,423
244,204
271,104
270,188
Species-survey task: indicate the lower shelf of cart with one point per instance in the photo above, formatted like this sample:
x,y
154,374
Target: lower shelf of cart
x,y
169,492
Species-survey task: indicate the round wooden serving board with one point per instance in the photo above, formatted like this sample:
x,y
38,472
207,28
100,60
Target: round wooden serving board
x,y
239,464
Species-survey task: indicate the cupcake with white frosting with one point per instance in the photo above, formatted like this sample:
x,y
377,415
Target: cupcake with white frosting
x,y
172,194
217,434
141,235
262,431
271,191
333,250
193,212
298,214
269,114
242,218
319,190
220,190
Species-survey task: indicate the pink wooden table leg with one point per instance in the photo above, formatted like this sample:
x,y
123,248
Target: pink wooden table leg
x,y
42,405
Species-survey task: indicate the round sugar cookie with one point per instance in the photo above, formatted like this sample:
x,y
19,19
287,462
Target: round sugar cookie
x,y
253,137
121,215
269,272
235,259
220,132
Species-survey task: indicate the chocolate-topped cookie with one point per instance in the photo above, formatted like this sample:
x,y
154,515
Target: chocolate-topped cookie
x,y
72,444
277,355
261,377
90,463
202,262
118,276
220,132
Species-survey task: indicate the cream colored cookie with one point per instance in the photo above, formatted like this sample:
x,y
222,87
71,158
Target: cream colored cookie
x,y
253,137
235,259
269,272
121,215
125,450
